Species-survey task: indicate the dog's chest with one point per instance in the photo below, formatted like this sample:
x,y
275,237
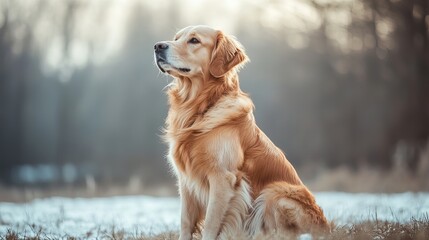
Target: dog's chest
x,y
196,184
175,164
180,154
183,134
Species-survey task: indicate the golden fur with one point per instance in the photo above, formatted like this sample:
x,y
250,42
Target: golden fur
x,y
232,179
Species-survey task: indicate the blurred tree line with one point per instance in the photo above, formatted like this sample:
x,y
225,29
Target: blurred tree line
x,y
334,83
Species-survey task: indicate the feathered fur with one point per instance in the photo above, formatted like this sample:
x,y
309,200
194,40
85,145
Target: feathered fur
x,y
231,177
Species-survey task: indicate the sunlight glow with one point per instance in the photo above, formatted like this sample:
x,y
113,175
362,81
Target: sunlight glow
x,y
98,28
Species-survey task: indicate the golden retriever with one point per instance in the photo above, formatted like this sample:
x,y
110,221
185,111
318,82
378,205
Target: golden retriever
x,y
232,179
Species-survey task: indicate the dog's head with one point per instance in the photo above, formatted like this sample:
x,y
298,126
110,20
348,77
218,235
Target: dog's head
x,y
199,51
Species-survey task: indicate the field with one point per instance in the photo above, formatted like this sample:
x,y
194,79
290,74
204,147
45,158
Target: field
x,y
356,216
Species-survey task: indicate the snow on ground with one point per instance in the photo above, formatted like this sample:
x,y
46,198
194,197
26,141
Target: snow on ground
x,y
152,215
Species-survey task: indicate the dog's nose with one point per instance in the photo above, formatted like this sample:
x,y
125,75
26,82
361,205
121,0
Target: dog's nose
x,y
160,46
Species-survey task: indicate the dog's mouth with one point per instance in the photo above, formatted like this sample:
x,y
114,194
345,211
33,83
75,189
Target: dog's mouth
x,y
159,63
164,66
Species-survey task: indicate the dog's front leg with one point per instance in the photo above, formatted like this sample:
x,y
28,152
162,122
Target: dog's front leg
x,y
190,212
220,193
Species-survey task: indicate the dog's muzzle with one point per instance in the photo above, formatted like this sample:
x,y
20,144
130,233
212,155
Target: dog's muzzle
x,y
161,58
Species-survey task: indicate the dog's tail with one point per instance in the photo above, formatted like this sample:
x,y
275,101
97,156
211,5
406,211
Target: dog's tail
x,y
285,207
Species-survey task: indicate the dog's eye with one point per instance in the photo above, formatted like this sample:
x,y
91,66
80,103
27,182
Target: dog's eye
x,y
193,41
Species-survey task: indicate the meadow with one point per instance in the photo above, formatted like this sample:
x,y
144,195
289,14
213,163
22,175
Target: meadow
x,y
355,215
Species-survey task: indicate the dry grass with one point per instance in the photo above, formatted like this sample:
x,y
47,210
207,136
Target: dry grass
x,y
317,179
345,179
113,234
364,179
415,229
26,194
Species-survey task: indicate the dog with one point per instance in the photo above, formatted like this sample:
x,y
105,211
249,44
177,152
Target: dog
x,y
233,181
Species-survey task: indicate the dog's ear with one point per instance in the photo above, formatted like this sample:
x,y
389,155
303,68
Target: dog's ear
x,y
227,54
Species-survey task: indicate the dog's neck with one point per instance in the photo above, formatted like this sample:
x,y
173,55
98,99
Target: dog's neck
x,y
199,94
190,99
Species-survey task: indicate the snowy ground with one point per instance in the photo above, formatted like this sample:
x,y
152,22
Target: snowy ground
x,y
151,215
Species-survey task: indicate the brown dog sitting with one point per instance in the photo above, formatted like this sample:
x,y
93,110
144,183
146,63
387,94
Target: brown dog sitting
x,y
231,177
